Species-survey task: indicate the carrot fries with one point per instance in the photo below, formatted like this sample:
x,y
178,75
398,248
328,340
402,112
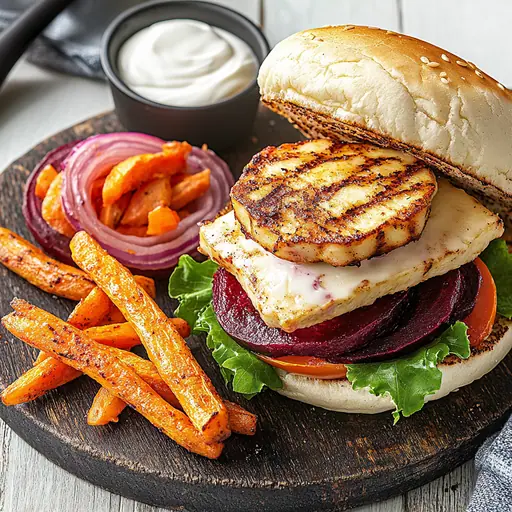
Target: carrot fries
x,y
51,209
44,180
165,347
66,343
51,276
105,410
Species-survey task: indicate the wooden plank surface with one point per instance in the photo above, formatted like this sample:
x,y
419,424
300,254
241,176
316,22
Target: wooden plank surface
x,y
478,30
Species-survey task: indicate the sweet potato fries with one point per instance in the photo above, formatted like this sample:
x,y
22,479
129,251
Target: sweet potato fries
x,y
68,344
116,312
165,347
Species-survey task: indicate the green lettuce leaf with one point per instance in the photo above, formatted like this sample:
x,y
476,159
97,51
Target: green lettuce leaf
x,y
248,374
191,284
411,378
499,262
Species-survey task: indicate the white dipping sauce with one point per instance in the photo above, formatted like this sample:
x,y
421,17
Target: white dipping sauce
x,y
186,63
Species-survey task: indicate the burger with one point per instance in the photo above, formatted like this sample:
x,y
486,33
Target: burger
x,y
363,269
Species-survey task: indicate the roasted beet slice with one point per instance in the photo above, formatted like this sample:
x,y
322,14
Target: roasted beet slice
x,y
440,302
329,339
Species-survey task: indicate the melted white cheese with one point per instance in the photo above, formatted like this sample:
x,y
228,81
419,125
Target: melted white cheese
x,y
291,296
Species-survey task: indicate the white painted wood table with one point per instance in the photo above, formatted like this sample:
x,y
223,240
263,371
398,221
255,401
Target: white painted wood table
x,y
36,103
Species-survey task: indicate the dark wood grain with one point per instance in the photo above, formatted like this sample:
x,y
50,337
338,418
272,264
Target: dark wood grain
x,y
303,458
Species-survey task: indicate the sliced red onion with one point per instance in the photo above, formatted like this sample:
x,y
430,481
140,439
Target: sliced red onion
x,y
94,158
54,243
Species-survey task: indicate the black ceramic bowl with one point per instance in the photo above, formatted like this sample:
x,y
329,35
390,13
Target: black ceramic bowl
x,y
219,125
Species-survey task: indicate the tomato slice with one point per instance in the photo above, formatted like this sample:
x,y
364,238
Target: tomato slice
x,y
307,365
479,322
481,319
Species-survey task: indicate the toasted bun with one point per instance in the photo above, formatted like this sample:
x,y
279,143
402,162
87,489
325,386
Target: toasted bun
x,y
338,395
362,83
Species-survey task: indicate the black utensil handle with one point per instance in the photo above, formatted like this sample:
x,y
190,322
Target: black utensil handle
x,y
16,38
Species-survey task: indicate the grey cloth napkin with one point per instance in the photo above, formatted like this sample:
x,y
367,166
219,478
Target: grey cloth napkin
x,y
71,43
493,491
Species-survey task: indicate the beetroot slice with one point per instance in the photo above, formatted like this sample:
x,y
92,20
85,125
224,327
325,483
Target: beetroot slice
x,y
329,339
439,302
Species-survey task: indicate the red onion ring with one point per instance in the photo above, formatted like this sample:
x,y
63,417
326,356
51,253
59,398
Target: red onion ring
x,y
94,157
54,243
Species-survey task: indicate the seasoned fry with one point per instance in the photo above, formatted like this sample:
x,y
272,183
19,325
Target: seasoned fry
x,y
132,172
96,308
114,316
51,276
66,343
165,347
41,378
111,214
161,220
150,195
241,421
105,408
123,335
189,189
51,209
44,180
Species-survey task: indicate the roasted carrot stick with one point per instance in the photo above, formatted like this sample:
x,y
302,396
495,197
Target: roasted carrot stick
x,y
165,347
161,220
51,209
104,410
132,172
150,195
96,307
44,180
111,214
51,276
189,189
66,343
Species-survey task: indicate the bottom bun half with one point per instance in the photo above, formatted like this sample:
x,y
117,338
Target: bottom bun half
x,y
338,395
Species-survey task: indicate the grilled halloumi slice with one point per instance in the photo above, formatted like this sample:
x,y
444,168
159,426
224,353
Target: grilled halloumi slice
x,y
290,296
322,200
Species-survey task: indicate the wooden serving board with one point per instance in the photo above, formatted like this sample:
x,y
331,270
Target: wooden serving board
x,y
303,458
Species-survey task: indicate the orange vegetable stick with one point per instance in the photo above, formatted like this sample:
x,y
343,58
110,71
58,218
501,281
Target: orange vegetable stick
x,y
132,230
190,188
111,214
150,195
51,209
66,343
49,275
93,309
165,347
161,220
96,194
132,172
104,410
114,316
123,335
44,180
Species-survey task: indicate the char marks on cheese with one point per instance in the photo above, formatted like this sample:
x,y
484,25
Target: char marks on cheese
x,y
338,203
290,296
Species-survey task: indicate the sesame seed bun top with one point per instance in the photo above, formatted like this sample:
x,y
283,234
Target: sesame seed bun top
x,y
361,83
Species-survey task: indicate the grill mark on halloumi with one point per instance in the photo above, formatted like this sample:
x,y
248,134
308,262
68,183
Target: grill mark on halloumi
x,y
326,201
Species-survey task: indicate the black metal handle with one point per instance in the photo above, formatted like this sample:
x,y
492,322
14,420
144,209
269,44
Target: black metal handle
x,y
16,38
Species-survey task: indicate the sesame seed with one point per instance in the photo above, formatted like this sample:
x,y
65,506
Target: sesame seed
x,y
443,74
462,63
390,32
445,80
463,78
349,27
471,65
433,64
501,86
445,57
478,73
424,60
